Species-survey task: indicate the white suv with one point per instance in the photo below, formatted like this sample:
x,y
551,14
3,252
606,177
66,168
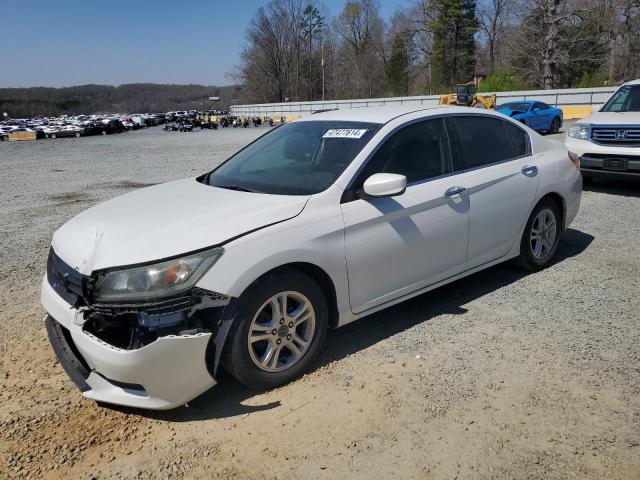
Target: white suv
x,y
317,223
608,141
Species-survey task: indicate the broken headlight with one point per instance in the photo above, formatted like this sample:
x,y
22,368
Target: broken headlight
x,y
163,279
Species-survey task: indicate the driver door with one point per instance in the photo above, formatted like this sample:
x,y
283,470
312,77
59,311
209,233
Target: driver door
x,y
395,246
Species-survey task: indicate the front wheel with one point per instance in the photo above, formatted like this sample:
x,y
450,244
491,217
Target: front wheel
x,y
540,237
555,125
280,327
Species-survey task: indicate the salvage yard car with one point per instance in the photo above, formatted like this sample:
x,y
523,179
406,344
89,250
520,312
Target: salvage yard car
x,y
317,223
608,141
66,131
536,115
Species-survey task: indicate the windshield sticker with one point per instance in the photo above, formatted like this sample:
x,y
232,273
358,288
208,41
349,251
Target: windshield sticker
x,y
344,133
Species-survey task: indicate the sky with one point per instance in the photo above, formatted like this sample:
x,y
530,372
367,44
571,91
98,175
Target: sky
x,y
74,42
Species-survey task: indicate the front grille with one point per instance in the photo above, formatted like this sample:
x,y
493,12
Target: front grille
x,y
172,305
65,280
624,136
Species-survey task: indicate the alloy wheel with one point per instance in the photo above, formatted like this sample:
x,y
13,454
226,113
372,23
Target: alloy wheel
x,y
281,331
543,234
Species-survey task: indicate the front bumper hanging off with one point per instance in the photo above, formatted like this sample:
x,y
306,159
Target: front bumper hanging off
x,y
164,373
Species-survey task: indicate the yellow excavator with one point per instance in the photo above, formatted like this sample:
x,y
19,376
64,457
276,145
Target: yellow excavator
x,y
465,95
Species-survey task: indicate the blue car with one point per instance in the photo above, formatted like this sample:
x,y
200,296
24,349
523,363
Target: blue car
x,y
536,115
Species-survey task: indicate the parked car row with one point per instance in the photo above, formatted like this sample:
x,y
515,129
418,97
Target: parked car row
x,y
83,125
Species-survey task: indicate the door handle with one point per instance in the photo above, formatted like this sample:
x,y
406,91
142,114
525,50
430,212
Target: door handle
x,y
530,170
453,191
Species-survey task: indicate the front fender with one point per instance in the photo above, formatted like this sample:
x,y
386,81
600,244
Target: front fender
x,y
319,242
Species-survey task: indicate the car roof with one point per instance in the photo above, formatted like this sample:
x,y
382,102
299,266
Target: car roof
x,y
633,82
384,115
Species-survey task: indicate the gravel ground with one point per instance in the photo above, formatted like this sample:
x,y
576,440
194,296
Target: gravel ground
x,y
501,375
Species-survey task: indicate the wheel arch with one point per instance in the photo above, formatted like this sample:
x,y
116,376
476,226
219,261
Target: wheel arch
x,y
560,203
321,277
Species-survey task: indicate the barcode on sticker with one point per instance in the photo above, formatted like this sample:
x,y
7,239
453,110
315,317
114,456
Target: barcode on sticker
x,y
344,133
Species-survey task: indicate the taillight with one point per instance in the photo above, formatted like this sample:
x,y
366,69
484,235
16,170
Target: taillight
x,y
575,159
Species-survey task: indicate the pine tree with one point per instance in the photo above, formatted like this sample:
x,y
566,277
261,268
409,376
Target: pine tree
x,y
398,65
453,55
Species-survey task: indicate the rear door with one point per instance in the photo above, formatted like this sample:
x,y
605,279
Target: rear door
x,y
395,246
502,177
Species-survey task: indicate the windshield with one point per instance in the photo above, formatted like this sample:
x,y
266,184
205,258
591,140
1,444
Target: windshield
x,y
520,107
300,158
626,99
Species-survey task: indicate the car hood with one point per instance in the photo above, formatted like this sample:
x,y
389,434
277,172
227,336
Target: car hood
x,y
612,118
511,113
164,221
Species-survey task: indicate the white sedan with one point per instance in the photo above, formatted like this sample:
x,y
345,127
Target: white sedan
x,y
316,224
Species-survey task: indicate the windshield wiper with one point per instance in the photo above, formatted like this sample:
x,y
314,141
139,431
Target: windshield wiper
x,y
237,188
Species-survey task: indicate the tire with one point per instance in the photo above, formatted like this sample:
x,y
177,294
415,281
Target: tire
x,y
479,105
555,125
53,135
103,132
535,252
250,362
77,134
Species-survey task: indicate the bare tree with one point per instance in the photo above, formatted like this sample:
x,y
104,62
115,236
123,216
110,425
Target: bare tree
x,y
493,18
360,28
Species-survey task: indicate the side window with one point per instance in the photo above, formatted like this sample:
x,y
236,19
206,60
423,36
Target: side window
x,y
479,140
419,151
519,139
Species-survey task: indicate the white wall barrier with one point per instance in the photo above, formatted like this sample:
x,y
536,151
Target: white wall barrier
x,y
569,97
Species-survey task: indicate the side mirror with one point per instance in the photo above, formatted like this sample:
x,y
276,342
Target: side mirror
x,y
385,185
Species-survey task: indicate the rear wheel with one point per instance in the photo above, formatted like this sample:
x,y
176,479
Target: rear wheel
x,y
540,237
53,135
555,125
77,134
280,327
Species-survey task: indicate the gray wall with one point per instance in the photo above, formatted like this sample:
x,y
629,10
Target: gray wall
x,y
562,97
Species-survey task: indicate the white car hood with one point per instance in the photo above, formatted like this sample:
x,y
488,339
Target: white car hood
x,y
612,118
166,220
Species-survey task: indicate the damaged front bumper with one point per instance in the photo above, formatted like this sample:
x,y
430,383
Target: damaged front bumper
x,y
135,356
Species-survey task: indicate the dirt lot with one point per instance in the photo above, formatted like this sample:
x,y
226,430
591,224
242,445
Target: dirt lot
x,y
501,375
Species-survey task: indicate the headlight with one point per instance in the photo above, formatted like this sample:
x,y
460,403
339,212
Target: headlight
x,y
580,131
159,280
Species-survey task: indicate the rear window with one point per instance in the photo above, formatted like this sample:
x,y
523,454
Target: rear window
x,y
479,140
519,139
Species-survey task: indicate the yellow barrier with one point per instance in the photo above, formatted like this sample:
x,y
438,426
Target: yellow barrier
x,y
575,111
21,136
